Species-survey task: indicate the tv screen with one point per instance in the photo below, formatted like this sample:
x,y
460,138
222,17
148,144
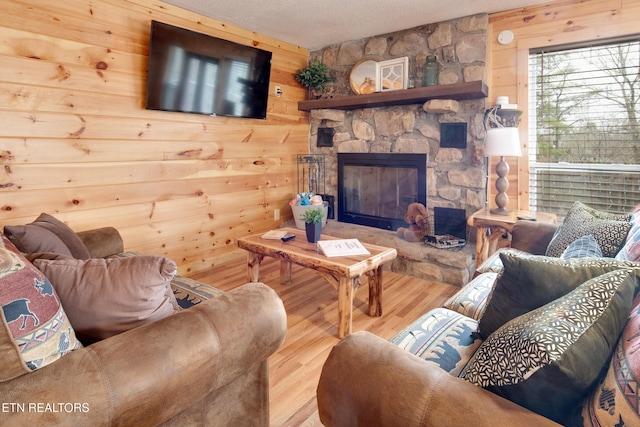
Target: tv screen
x,y
192,72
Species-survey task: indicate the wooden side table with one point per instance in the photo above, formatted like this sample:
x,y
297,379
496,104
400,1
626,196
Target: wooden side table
x,y
491,227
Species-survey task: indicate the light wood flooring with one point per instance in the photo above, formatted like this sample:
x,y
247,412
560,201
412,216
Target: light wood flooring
x,y
312,313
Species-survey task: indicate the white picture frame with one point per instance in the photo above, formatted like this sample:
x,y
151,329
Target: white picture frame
x,y
392,74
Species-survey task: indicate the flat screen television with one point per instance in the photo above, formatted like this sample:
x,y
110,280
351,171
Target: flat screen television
x,y
192,72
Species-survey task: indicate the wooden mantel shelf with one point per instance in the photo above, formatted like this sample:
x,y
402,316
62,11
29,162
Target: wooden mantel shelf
x,y
456,91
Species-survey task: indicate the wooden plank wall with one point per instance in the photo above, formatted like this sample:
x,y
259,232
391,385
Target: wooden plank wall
x,y
553,23
76,141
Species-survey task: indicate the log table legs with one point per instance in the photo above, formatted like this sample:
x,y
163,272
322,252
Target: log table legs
x,y
345,273
346,288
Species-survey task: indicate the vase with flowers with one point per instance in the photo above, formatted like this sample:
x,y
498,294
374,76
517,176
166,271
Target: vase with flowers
x,y
313,223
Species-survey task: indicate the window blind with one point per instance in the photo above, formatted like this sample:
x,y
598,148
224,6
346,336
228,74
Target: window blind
x,y
584,117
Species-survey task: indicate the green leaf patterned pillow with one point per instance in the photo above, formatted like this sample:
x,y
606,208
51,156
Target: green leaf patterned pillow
x,y
548,359
531,281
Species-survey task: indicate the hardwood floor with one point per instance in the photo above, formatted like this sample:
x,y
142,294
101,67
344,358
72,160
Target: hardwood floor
x,y
312,313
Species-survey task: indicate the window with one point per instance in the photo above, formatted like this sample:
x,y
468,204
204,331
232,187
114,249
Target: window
x,y
584,117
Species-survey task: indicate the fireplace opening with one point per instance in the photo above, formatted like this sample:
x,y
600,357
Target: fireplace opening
x,y
375,189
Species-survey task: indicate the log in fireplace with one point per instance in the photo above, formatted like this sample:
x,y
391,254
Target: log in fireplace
x,y
375,189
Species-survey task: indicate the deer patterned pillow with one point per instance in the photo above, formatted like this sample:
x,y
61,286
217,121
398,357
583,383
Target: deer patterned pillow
x,y
614,401
34,324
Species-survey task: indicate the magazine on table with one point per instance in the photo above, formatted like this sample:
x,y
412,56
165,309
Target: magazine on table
x,y
342,247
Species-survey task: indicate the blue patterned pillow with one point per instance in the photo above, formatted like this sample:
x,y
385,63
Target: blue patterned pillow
x,y
548,359
443,337
584,247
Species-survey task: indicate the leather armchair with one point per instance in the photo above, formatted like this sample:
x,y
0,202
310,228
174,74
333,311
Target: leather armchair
x,y
207,365
367,381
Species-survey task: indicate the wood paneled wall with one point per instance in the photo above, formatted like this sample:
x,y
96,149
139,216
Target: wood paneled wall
x,y
76,141
553,23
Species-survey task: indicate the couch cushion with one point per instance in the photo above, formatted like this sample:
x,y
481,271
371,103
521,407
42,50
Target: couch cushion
x,y
472,299
531,281
548,359
35,329
441,336
609,230
616,399
104,297
493,263
583,247
47,234
631,249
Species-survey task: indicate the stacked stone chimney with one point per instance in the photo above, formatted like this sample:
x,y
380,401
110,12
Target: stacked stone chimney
x,y
456,177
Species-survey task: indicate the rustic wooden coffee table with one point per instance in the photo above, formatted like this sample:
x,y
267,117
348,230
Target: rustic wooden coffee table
x,y
344,273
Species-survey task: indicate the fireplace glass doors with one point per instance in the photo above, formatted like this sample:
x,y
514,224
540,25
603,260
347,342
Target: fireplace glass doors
x,y
375,189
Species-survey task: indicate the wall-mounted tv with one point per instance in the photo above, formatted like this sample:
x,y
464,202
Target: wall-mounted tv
x,y
192,72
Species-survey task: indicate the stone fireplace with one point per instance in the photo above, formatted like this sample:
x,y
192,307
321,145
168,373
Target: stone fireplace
x,y
375,189
455,174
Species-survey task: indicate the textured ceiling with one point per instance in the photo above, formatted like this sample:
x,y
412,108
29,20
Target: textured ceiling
x,y
316,24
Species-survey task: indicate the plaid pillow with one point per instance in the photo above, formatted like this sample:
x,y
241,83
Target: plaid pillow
x,y
584,247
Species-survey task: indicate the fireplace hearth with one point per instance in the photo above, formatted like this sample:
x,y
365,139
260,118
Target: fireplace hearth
x,y
375,189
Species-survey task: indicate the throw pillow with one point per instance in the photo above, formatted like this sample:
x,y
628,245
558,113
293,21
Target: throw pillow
x,y
47,234
548,359
531,281
441,336
609,230
104,297
584,247
631,249
35,329
493,264
614,401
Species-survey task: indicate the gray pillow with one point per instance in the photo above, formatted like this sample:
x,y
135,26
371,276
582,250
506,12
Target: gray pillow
x,y
47,234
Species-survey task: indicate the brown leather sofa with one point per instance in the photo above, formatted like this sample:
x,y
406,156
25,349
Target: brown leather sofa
x,y
368,381
207,365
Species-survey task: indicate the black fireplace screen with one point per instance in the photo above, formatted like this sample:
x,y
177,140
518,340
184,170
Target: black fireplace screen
x,y
375,189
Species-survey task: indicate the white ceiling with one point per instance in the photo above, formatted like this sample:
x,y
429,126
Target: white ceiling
x,y
313,25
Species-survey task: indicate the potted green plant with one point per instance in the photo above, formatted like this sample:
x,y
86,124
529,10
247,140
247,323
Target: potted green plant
x,y
314,77
313,223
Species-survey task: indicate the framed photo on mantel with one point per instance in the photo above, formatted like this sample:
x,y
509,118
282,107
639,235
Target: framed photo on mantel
x,y
392,74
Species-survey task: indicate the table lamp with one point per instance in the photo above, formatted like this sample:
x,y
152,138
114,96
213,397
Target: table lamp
x,y
502,141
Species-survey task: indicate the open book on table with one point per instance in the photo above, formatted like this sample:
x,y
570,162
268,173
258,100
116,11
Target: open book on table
x,y
342,247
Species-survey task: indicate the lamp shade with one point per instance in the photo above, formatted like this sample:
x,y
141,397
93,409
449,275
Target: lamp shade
x,y
502,142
